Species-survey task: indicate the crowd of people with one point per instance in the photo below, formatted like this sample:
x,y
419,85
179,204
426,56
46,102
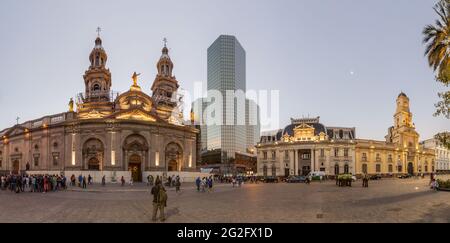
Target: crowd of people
x,y
33,183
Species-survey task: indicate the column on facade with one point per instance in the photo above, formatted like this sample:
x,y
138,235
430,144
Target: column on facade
x,y
291,162
295,162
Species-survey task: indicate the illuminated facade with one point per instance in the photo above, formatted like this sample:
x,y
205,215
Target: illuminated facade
x,y
306,145
131,134
401,153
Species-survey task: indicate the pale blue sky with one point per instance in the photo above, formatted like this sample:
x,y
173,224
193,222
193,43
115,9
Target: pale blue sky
x,y
306,49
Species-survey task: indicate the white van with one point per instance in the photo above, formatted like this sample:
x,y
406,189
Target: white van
x,y
317,173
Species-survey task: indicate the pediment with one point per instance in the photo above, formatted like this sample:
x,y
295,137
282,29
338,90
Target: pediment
x,y
136,114
15,130
303,126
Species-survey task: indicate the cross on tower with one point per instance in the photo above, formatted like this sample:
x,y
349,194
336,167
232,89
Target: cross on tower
x,y
165,41
17,120
98,31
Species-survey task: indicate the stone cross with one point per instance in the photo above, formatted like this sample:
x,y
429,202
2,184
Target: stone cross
x,y
98,31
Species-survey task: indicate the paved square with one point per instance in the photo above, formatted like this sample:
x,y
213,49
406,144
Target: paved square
x,y
388,200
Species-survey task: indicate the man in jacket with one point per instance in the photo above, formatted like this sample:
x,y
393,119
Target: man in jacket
x,y
159,201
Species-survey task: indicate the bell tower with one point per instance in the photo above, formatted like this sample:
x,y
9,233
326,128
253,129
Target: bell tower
x,y
97,78
96,102
403,133
165,85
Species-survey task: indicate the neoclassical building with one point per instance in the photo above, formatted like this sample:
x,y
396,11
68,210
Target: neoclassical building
x,y
306,145
132,132
400,153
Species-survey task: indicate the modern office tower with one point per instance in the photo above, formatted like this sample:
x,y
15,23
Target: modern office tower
x,y
227,72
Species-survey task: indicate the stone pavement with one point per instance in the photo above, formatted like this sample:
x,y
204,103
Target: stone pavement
x,y
387,200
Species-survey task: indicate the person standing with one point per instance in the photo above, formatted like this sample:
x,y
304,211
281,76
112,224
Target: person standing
x,y
159,201
84,182
89,179
177,184
103,180
122,180
80,180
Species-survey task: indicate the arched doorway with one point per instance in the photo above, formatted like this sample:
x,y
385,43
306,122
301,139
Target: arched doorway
x,y
93,152
135,152
15,167
134,166
410,168
174,157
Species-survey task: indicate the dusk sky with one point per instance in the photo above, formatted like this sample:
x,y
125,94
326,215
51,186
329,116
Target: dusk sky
x,y
345,61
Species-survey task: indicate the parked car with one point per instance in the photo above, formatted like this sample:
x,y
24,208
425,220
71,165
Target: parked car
x,y
270,179
375,177
296,179
404,176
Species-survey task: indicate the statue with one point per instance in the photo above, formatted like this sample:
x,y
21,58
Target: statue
x,y
71,105
135,77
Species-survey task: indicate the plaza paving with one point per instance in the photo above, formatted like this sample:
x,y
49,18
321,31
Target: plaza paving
x,y
388,200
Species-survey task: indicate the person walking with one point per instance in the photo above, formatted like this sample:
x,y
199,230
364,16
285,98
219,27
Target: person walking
x,y
103,180
159,201
210,184
177,184
89,179
197,183
122,180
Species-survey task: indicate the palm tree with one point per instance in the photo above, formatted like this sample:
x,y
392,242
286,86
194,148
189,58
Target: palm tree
x,y
437,39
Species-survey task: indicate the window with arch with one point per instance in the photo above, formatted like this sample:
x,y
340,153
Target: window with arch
x,y
364,168
96,87
390,168
378,168
265,170
55,145
36,147
16,149
346,169
390,158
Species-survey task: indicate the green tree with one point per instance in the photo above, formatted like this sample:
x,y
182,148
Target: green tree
x,y
437,41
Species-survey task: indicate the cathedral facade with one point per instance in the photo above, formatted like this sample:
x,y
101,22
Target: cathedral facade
x,y
132,134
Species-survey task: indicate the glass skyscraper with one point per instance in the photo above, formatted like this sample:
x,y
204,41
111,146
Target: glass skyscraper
x,y
226,71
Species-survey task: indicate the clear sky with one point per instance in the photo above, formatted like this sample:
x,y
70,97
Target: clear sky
x,y
345,61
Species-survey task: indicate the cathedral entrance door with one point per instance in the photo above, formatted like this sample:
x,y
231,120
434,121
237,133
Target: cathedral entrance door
x,y
15,167
93,164
173,165
134,166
